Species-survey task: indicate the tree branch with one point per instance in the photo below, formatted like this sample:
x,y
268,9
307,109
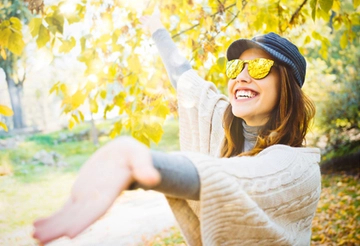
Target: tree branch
x,y
297,12
192,27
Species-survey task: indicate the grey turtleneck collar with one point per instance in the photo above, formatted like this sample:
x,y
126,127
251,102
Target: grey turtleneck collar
x,y
250,135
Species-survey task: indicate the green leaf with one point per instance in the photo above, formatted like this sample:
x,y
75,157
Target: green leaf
x,y
44,36
326,5
56,23
34,26
221,63
16,43
4,110
313,6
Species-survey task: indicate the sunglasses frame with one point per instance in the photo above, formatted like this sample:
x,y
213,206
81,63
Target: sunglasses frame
x,y
258,68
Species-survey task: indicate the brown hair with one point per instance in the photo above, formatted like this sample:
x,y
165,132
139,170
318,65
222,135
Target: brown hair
x,y
288,122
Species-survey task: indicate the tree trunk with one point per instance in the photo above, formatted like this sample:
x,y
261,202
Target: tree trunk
x,y
15,92
94,131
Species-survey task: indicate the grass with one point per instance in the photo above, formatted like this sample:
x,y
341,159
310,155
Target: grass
x,y
33,190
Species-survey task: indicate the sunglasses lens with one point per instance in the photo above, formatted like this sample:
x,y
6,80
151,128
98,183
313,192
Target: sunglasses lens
x,y
260,67
233,68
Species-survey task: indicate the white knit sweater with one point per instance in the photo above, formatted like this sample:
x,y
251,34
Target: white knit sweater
x,y
267,199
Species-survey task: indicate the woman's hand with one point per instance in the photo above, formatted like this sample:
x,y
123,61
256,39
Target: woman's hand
x,y
108,172
151,23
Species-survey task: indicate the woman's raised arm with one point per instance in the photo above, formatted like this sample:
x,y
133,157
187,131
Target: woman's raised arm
x,y
175,63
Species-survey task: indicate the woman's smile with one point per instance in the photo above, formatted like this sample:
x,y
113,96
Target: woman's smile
x,y
254,99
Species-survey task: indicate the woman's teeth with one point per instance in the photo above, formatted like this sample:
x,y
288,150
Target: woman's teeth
x,y
243,94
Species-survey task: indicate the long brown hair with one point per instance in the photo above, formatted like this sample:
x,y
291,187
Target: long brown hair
x,y
288,122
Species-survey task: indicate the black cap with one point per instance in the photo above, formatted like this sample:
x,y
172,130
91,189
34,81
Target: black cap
x,y
278,47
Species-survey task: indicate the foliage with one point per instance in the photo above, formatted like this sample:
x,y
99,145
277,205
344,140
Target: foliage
x,y
337,219
122,78
6,111
334,85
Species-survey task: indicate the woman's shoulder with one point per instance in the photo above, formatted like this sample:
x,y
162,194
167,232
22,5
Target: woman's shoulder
x,y
282,148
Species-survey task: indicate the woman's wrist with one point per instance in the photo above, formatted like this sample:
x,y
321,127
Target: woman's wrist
x,y
155,26
138,159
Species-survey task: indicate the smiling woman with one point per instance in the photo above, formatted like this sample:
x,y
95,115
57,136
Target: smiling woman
x,y
244,175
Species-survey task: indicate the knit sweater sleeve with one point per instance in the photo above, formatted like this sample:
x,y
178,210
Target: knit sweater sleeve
x,y
201,108
268,199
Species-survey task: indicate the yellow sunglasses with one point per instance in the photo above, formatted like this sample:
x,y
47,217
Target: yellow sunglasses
x,y
258,68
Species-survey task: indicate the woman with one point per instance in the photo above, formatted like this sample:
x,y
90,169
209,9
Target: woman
x,y
243,176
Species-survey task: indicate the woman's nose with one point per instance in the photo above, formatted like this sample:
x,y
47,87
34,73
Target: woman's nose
x,y
243,76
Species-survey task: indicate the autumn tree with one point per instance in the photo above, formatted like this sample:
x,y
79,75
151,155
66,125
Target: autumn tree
x,y
13,13
124,74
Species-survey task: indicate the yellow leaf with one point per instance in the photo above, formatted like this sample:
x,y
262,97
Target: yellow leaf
x,y
71,124
336,6
3,126
77,99
103,94
134,64
81,115
239,5
356,3
63,88
112,71
44,36
307,39
15,23
3,53
112,134
130,80
16,43
93,106
55,87
343,41
75,118
4,110
34,26
5,33
67,45
153,131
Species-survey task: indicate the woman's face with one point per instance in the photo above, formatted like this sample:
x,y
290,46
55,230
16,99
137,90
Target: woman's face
x,y
253,99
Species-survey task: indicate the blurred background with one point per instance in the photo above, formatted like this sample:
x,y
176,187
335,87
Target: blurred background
x,y
76,73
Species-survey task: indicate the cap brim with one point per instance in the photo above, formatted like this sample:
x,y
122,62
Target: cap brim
x,y
239,46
